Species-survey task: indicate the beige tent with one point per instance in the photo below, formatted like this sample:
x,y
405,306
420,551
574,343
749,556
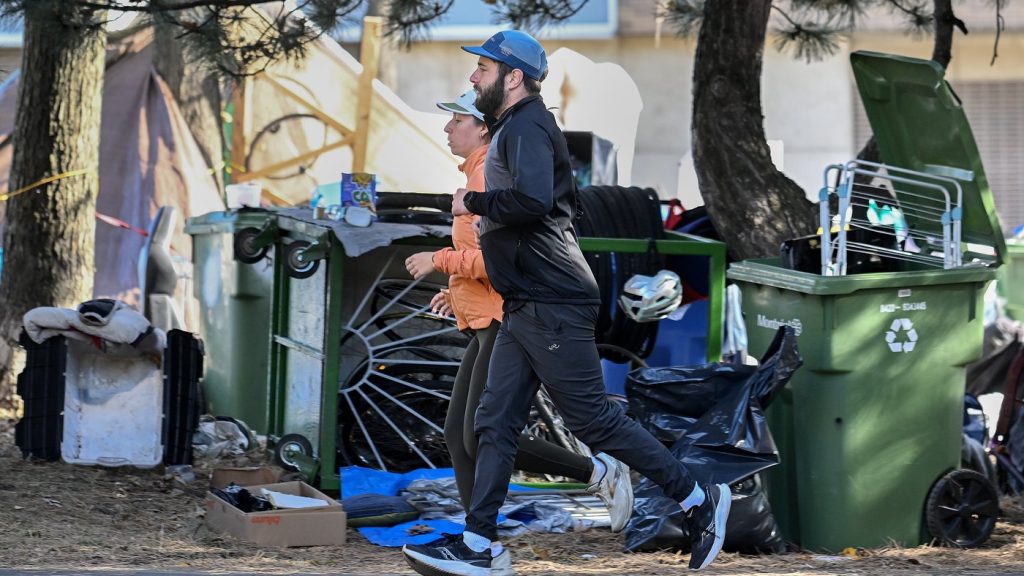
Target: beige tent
x,y
301,128
148,159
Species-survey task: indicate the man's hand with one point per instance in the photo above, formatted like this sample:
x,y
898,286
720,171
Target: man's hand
x,y
440,305
458,203
420,264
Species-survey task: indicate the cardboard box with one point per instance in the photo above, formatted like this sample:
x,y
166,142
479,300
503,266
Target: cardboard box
x,y
248,476
300,527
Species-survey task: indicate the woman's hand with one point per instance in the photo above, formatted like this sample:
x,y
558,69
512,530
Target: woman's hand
x,y
420,264
440,305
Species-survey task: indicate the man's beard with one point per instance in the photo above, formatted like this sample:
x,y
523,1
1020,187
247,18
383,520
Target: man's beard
x,y
490,98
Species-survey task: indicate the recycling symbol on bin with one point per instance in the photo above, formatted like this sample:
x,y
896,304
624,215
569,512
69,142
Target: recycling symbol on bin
x,y
901,336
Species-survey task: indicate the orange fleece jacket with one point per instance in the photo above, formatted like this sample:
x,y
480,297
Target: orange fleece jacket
x,y
470,293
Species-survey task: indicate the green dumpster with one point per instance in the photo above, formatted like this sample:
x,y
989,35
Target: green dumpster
x,y
1011,279
361,371
234,293
872,422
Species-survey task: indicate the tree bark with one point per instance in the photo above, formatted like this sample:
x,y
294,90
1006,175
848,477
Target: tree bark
x,y
942,50
49,236
754,206
196,88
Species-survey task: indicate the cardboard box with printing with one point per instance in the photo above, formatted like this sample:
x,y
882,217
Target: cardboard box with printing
x,y
322,526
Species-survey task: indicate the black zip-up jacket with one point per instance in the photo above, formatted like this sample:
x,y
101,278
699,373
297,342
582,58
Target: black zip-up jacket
x,y
529,245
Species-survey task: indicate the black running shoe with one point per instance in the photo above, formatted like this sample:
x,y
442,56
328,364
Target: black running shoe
x,y
706,525
450,556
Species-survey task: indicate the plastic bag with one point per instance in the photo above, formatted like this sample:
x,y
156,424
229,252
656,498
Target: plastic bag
x,y
715,415
729,440
657,522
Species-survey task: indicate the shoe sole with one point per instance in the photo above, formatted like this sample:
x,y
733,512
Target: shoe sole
x,y
419,563
721,517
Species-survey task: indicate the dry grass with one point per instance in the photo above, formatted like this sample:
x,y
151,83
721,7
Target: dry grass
x,y
58,516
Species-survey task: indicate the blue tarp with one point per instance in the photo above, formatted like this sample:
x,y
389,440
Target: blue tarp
x,y
357,480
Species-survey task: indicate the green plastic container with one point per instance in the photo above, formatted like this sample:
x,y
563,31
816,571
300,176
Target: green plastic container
x,y
234,306
873,419
1011,279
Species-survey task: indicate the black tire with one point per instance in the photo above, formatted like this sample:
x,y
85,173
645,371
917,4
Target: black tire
x,y
244,249
295,265
291,443
962,509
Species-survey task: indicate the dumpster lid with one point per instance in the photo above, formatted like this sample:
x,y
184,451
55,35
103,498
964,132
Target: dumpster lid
x,y
919,124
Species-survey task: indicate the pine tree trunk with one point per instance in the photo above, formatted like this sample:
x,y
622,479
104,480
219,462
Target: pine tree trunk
x,y
754,206
49,237
942,49
196,88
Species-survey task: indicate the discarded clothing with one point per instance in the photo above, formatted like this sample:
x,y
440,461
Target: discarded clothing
x,y
119,325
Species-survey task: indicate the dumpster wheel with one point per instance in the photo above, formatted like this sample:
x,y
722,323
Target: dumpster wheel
x,y
962,509
288,445
295,264
245,250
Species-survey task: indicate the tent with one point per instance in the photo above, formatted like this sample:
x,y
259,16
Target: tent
x,y
148,159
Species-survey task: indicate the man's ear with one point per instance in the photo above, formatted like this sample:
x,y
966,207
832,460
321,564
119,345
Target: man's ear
x,y
514,78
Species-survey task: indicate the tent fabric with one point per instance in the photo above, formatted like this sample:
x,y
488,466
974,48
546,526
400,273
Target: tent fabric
x,y
148,159
405,148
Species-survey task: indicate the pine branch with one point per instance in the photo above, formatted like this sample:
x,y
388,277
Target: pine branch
x,y
808,39
532,15
685,16
411,19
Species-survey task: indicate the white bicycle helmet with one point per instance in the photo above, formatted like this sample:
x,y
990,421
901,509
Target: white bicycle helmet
x,y
650,298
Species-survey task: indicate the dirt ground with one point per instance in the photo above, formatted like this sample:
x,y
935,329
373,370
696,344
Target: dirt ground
x,y
56,516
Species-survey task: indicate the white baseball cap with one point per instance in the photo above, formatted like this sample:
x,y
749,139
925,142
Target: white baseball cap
x,y
464,104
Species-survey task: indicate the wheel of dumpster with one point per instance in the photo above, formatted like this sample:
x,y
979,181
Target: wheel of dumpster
x,y
288,445
962,509
245,250
294,264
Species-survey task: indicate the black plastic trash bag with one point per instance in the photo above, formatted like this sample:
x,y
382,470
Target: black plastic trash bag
x,y
657,522
728,439
714,414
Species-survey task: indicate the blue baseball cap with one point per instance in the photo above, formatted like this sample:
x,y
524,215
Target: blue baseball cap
x,y
515,49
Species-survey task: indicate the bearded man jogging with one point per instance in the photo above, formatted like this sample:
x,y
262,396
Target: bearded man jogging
x,y
551,303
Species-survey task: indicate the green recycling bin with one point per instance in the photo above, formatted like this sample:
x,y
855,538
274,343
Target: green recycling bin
x,y
874,417
234,286
1011,279
869,430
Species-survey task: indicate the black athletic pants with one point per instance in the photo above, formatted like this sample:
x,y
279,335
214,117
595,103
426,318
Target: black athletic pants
x,y
554,344
534,455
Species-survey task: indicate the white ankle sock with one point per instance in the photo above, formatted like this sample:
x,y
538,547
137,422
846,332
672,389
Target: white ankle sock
x,y
496,549
599,471
475,542
696,498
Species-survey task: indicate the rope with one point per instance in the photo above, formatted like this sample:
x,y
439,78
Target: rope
x,y
44,181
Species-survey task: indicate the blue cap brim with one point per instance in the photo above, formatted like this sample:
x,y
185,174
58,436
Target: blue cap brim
x,y
479,51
